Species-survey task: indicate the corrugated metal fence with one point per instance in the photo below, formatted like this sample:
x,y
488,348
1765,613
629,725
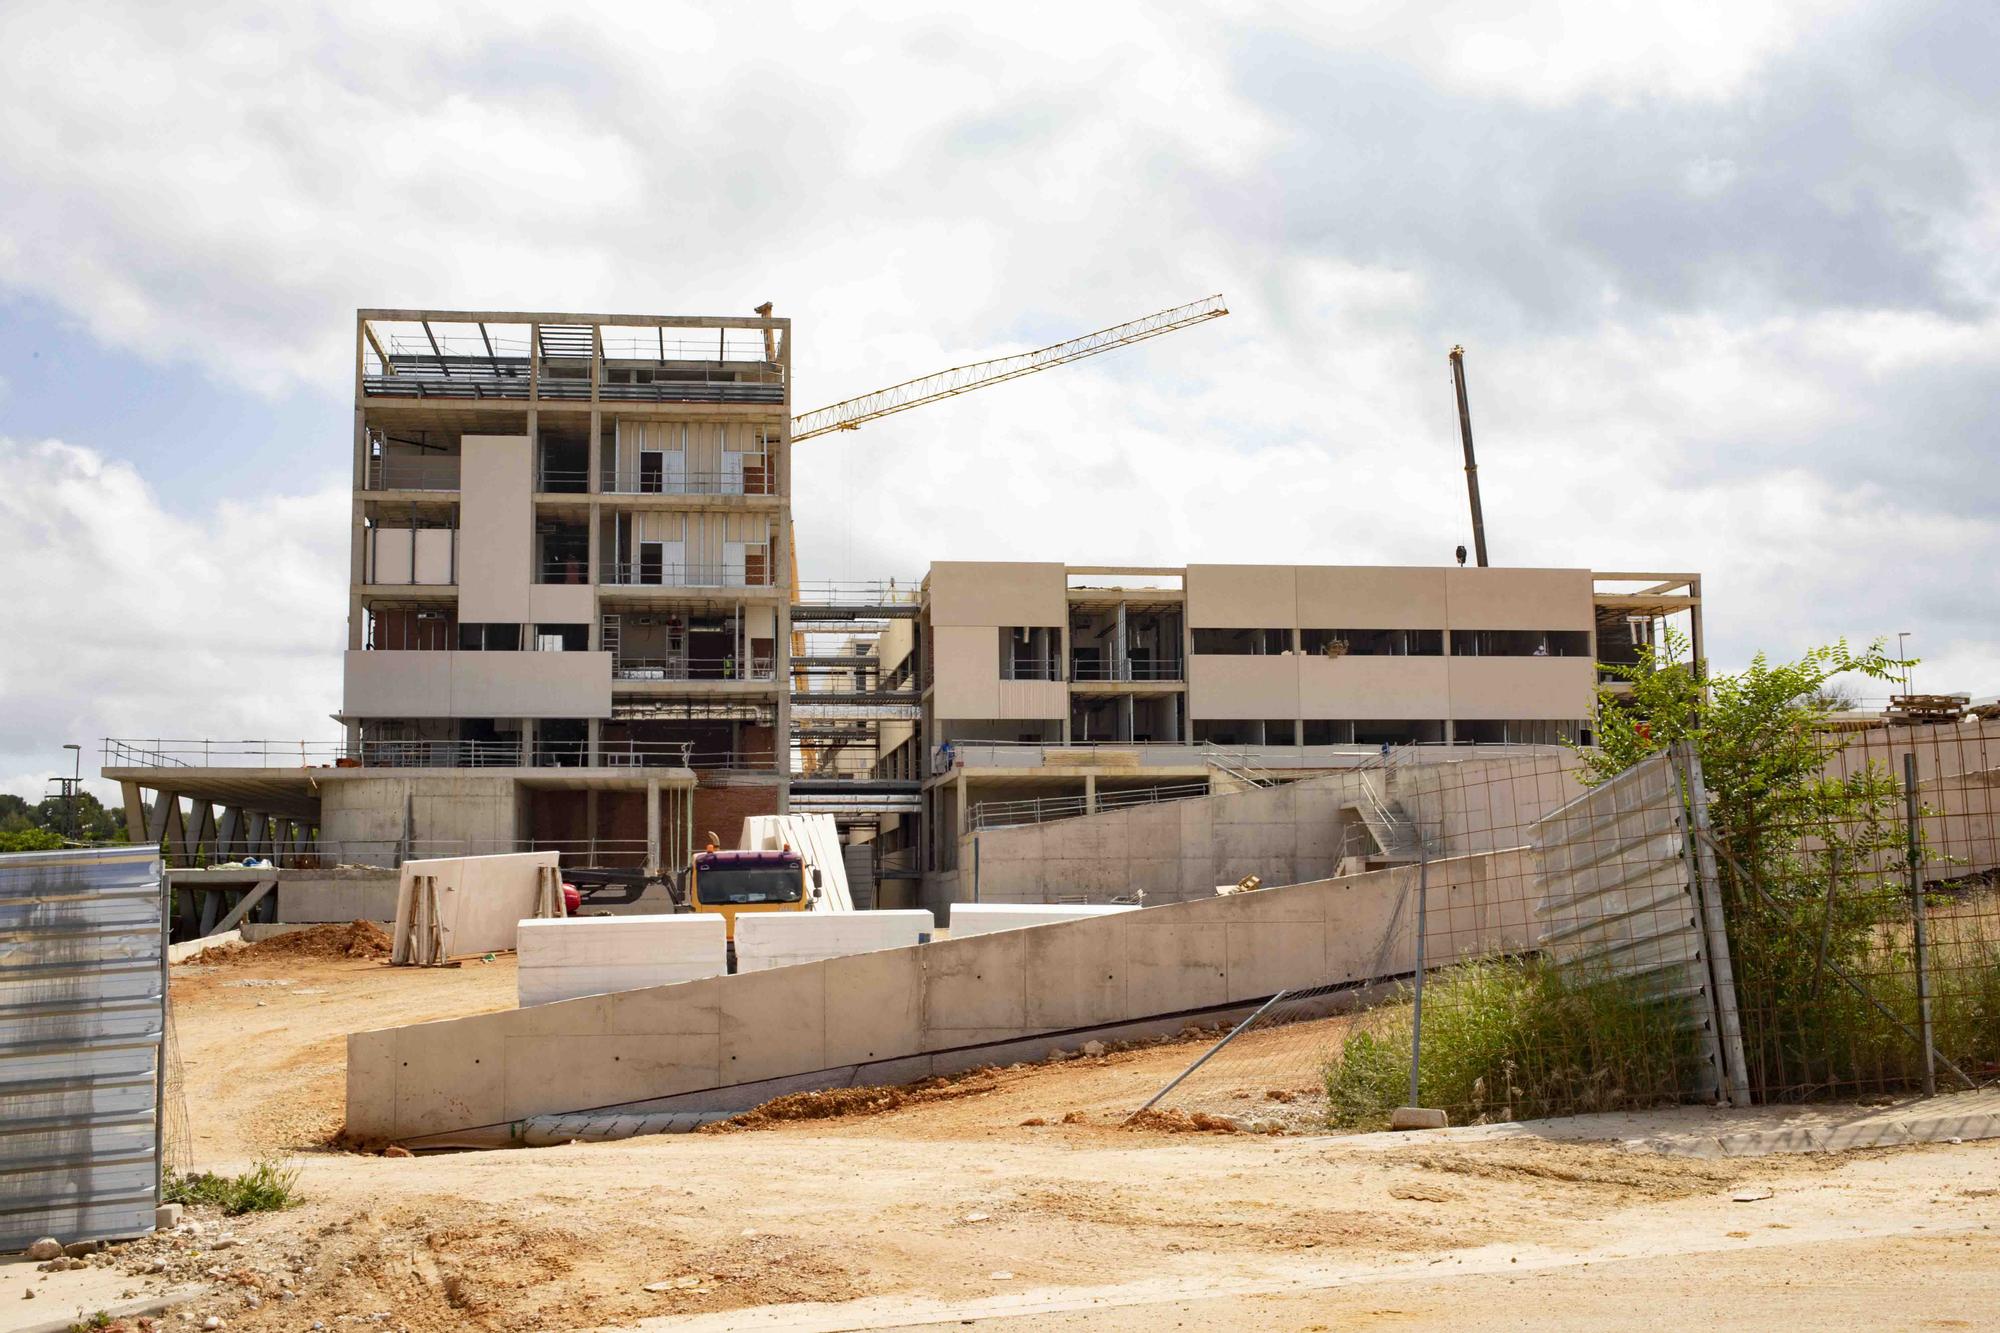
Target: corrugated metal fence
x,y
1627,891
82,1023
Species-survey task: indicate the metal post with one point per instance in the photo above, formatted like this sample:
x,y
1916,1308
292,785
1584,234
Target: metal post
x,y
160,1060
1423,929
1210,1053
1915,857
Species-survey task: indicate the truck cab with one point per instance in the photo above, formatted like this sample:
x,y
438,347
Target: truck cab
x,y
730,882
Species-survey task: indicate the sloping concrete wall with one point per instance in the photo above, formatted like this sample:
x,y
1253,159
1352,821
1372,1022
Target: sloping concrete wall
x,y
969,919
933,1007
1175,851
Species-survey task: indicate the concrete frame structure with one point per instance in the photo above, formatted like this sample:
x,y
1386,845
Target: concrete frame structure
x,y
1042,682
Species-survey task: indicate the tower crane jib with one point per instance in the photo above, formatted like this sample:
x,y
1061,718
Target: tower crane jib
x,y
854,412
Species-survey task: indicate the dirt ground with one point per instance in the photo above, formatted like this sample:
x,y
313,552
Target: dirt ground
x,y
946,1209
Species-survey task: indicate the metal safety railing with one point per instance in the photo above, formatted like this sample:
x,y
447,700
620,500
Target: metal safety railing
x,y
693,668
645,574
1041,810
754,478
158,753
432,472
1132,669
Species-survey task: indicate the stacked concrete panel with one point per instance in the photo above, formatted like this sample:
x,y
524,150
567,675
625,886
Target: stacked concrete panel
x,y
600,955
780,939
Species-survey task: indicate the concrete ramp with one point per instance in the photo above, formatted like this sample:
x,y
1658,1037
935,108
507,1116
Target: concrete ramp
x,y
727,1042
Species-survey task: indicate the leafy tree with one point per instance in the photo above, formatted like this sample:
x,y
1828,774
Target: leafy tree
x,y
94,821
1811,865
30,840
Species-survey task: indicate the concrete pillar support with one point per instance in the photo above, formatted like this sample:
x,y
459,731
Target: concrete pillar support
x,y
1090,793
652,826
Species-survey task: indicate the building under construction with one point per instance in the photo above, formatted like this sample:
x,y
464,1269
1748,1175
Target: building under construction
x,y
574,622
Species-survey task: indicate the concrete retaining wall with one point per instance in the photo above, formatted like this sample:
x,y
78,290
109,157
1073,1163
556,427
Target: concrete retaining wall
x,y
765,940
597,955
933,1008
968,919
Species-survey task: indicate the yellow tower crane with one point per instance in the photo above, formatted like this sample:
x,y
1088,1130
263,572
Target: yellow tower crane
x,y
853,413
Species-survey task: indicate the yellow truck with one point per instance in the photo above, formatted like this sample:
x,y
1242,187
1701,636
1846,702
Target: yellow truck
x,y
731,882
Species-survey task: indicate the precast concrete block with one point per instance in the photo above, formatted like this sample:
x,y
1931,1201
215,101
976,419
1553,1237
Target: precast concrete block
x,y
448,1076
562,959
765,940
874,1005
978,982
1171,967
566,1073
1076,975
773,1023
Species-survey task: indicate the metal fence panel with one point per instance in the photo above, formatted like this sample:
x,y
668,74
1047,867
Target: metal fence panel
x,y
82,1020
1619,895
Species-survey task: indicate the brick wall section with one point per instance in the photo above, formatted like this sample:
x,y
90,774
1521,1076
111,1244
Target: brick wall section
x,y
722,809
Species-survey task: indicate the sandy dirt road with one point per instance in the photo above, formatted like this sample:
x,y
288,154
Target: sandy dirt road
x,y
950,1210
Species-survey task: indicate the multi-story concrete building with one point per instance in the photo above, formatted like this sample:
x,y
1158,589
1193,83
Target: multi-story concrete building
x,y
573,623
571,559
1063,686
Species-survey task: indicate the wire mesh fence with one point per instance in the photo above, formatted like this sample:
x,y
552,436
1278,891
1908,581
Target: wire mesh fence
x,y
1665,936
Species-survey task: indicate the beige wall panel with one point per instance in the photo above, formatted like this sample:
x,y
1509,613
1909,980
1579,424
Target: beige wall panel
x,y
1242,596
389,561
1044,699
1372,687
434,555
497,522
1243,687
413,684
561,603
1520,598
988,593
1370,597
378,684
1523,687
968,671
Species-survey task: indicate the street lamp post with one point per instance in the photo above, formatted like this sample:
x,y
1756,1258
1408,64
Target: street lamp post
x,y
69,796
1902,652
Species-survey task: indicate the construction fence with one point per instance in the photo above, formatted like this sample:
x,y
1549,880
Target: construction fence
x,y
1671,936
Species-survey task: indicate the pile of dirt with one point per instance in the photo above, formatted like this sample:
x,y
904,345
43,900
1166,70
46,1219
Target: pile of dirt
x,y
1181,1122
842,1103
356,939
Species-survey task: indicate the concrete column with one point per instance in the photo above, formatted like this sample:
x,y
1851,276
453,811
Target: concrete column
x,y
594,738
1121,666
1090,793
590,825
652,826
964,812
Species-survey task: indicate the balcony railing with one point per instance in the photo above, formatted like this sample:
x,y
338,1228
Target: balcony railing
x,y
640,574
441,754
563,481
435,472
751,480
693,668
1097,669
563,569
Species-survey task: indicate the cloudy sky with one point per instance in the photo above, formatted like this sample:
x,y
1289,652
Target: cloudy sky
x,y
1727,275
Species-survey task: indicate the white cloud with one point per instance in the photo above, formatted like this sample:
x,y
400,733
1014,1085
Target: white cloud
x,y
127,621
1681,355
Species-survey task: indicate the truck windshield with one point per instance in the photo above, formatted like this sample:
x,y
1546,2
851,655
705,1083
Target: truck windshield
x,y
733,886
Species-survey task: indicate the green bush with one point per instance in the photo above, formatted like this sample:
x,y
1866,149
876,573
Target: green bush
x,y
265,1188
30,840
1515,1038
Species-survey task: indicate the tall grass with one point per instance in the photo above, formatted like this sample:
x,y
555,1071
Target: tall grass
x,y
1514,1038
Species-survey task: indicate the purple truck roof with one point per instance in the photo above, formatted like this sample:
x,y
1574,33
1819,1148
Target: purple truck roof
x,y
782,860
